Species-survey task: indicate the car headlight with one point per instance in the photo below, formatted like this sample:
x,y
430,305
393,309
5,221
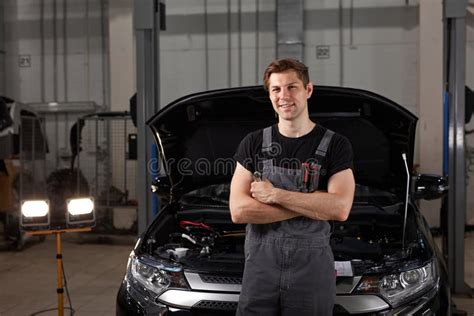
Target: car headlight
x,y
151,277
400,287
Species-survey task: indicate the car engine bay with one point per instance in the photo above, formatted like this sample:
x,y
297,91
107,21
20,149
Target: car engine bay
x,y
203,237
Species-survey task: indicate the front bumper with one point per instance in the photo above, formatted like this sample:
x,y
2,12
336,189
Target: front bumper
x,y
181,302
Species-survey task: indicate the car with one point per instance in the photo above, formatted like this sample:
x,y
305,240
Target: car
x,y
190,259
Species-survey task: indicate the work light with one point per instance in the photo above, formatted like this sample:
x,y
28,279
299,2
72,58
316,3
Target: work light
x,y
79,217
34,214
80,211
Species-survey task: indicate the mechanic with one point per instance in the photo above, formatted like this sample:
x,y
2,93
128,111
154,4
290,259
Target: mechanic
x,y
290,180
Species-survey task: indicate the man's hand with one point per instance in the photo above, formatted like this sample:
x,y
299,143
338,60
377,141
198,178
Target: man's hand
x,y
262,191
246,209
335,204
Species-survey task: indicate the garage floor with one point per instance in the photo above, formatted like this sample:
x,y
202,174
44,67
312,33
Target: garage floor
x,y
94,268
94,271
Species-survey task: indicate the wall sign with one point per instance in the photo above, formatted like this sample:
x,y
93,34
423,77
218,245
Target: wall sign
x,y
322,52
24,61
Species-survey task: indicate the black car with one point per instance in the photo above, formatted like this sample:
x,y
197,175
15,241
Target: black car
x,y
190,260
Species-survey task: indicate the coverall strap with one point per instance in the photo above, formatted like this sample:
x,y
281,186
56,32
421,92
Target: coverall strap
x,y
322,149
267,139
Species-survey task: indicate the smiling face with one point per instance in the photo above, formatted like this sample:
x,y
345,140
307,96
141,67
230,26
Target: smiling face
x,y
289,95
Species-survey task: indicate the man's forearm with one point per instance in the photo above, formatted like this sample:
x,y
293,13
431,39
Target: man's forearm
x,y
316,205
252,211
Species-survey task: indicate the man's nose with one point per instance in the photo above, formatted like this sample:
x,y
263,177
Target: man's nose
x,y
284,93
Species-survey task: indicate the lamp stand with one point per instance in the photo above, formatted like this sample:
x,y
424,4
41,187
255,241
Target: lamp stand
x,y
59,258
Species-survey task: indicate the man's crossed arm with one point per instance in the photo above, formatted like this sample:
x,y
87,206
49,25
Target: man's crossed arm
x,y
261,203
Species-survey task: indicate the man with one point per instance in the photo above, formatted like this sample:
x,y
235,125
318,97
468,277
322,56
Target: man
x,y
306,180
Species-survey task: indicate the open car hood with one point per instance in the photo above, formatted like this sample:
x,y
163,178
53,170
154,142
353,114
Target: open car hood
x,y
197,135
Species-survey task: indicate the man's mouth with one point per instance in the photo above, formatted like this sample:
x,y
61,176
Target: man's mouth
x,y
285,106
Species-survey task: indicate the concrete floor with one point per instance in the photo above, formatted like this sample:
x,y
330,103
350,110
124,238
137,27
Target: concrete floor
x,y
466,303
94,269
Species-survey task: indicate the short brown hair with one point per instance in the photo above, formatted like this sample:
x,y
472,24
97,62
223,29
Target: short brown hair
x,y
285,64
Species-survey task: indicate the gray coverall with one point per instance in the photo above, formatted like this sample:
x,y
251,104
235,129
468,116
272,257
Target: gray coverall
x,y
289,265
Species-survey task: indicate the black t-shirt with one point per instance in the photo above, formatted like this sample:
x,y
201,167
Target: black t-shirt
x,y
290,152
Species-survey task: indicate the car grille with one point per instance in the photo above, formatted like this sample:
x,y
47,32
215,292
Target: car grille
x,y
232,306
216,305
220,279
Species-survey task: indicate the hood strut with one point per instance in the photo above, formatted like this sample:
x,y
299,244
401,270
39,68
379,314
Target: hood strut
x,y
404,156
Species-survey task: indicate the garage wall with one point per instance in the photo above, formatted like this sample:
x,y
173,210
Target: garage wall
x,y
183,45
368,48
470,126
2,49
55,50
121,54
429,140
372,44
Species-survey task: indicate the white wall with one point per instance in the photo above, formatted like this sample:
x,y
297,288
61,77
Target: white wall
x,y
182,63
430,107
121,53
122,85
382,55
379,47
73,54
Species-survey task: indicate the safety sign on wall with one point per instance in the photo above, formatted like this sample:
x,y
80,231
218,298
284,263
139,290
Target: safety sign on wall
x,y
322,52
24,61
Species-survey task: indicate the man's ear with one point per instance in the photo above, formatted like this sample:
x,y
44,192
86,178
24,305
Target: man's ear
x,y
309,89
